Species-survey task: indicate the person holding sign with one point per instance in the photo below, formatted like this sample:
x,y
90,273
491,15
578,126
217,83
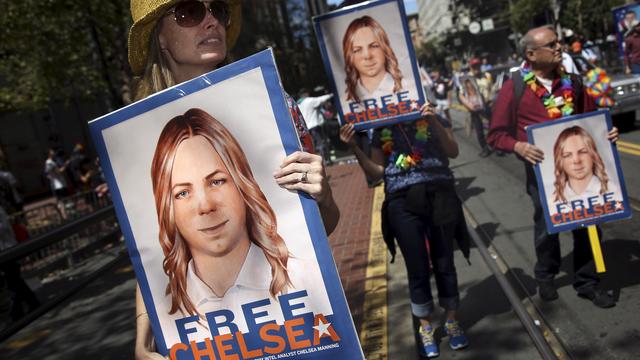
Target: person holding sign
x,y
371,66
420,201
172,41
540,92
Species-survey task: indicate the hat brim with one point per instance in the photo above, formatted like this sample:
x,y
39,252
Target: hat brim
x,y
140,33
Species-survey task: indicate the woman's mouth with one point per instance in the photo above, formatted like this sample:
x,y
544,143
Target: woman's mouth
x,y
211,41
213,229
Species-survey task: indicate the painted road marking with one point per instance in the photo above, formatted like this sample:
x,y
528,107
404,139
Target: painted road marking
x,y
628,144
628,148
373,335
27,340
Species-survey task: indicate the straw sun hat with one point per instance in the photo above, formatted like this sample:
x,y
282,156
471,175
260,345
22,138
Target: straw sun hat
x,y
146,13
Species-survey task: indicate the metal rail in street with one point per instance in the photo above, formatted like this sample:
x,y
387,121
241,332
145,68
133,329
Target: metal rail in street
x,y
548,345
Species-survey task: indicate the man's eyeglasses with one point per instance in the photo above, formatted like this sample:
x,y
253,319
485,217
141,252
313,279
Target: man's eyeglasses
x,y
190,13
551,45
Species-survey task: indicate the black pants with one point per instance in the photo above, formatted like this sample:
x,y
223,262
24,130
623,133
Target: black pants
x,y
22,293
548,246
410,230
476,121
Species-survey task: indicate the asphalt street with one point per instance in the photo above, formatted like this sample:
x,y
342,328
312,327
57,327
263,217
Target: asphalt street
x,y
494,191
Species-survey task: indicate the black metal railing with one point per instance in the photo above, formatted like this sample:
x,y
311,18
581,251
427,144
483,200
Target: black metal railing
x,y
69,243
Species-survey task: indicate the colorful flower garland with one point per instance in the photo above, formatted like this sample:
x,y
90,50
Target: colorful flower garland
x,y
404,161
599,87
548,100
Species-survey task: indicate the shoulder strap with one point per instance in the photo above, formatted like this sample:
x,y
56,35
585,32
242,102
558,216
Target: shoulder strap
x,y
578,86
518,89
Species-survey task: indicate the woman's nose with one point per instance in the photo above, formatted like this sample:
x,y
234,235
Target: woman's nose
x,y
576,158
206,203
209,20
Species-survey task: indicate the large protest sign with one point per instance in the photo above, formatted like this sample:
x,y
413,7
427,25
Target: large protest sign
x,y
228,262
625,17
580,181
368,54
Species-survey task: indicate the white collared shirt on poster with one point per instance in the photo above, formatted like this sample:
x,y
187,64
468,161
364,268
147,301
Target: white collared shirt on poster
x,y
252,284
385,87
592,189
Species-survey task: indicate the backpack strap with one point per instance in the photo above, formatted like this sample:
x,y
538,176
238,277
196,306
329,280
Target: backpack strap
x,y
518,90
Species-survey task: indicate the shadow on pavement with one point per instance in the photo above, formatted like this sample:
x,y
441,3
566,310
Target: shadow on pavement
x,y
96,324
465,190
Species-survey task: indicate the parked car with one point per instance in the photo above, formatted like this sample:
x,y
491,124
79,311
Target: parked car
x,y
626,89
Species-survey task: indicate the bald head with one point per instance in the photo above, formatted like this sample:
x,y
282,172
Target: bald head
x,y
533,37
540,47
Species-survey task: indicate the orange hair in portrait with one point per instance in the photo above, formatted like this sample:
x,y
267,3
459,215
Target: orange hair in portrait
x,y
561,177
391,62
261,219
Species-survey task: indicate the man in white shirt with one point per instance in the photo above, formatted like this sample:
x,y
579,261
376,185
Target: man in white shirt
x,y
311,109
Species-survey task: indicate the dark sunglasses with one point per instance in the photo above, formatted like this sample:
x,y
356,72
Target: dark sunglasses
x,y
552,45
190,13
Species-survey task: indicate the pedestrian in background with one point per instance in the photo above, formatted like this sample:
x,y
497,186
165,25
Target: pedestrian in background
x,y
420,202
511,116
10,272
632,50
311,108
56,175
475,93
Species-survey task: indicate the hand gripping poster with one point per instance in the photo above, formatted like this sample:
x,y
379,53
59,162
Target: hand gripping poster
x,y
580,181
230,265
368,55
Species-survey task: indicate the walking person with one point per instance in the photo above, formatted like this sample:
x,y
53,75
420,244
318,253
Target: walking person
x,y
311,109
11,274
632,50
420,201
475,94
512,114
172,41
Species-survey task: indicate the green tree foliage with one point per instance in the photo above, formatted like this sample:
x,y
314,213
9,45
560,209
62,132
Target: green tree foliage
x,y
432,52
55,50
591,18
523,11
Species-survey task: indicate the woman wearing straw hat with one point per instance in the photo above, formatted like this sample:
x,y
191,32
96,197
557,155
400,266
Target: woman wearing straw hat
x,y
172,41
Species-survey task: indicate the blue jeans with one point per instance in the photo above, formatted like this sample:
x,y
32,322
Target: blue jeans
x,y
548,246
635,69
410,230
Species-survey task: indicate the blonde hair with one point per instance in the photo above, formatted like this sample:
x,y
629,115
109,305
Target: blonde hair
x,y
561,176
260,219
156,76
391,62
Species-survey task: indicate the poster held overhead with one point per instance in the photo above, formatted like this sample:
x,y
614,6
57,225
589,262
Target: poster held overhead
x,y
368,55
228,262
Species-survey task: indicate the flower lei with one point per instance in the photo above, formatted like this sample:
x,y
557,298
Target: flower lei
x,y
599,87
406,161
548,100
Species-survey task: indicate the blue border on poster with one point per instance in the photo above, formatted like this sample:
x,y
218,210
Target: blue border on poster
x,y
327,64
349,344
618,14
626,213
